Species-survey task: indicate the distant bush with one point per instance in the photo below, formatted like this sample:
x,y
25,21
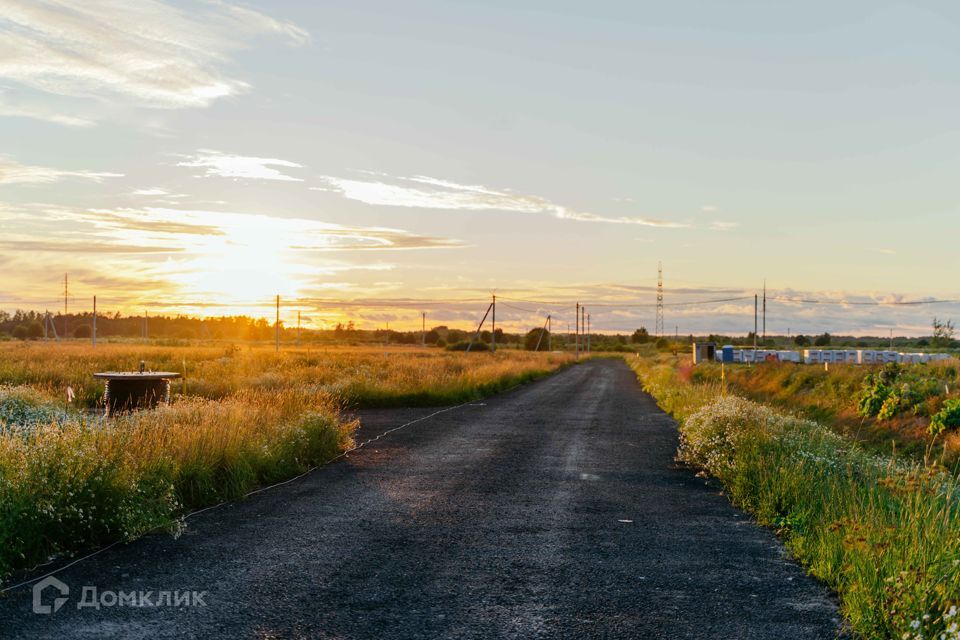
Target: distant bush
x,y
83,331
948,418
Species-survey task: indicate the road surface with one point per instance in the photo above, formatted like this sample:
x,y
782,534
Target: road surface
x,y
555,510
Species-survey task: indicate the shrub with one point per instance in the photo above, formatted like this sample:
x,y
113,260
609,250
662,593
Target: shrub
x,y
947,418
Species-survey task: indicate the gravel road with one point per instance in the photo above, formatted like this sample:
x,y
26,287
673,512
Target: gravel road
x,y
552,511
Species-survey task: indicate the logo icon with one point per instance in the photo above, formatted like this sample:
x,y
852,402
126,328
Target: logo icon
x,y
40,587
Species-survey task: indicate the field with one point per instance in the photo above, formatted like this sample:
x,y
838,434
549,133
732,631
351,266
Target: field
x,y
881,530
243,417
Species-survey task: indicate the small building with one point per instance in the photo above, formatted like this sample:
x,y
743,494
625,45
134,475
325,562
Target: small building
x,y
704,352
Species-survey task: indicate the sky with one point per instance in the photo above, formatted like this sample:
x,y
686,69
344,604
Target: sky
x,y
374,160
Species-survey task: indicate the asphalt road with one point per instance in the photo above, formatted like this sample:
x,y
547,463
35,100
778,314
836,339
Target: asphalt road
x,y
553,511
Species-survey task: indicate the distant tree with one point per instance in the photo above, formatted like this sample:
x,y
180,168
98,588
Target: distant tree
x,y
923,342
432,337
532,338
942,332
801,341
822,340
662,343
83,331
20,332
640,336
34,330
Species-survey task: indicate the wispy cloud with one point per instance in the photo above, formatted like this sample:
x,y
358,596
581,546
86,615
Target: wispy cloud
x,y
233,166
434,193
884,250
151,52
15,107
198,230
12,172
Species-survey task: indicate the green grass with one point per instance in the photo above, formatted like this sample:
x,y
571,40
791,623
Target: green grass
x,y
882,532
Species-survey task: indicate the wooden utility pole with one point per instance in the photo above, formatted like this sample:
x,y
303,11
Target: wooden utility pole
x,y
479,327
549,334
588,334
576,342
65,296
493,334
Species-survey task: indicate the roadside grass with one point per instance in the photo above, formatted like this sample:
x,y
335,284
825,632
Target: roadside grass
x,y
832,398
882,531
71,481
69,486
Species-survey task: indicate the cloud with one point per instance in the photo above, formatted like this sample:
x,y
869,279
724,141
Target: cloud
x,y
434,193
41,246
150,52
198,230
12,172
231,166
40,112
720,225
885,251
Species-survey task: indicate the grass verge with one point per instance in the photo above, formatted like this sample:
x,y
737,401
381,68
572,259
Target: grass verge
x,y
882,532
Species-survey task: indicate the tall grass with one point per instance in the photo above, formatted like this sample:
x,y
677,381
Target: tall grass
x,y
359,376
69,486
883,532
832,397
70,481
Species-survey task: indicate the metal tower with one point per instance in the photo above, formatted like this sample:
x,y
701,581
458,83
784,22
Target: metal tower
x,y
659,330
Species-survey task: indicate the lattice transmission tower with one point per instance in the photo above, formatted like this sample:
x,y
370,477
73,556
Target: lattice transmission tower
x,y
659,300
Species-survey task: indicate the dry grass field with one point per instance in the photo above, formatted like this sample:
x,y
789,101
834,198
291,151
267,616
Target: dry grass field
x,y
242,417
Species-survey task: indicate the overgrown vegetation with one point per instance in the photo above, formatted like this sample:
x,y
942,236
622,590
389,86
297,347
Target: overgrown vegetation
x,y
883,532
875,405
70,480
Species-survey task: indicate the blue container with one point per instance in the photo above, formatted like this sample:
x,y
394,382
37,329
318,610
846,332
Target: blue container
x,y
727,353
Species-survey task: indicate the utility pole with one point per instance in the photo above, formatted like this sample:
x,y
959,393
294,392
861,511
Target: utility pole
x,y
94,321
588,334
549,334
764,310
278,324
493,334
423,330
754,322
576,342
659,327
65,296
479,327
542,330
